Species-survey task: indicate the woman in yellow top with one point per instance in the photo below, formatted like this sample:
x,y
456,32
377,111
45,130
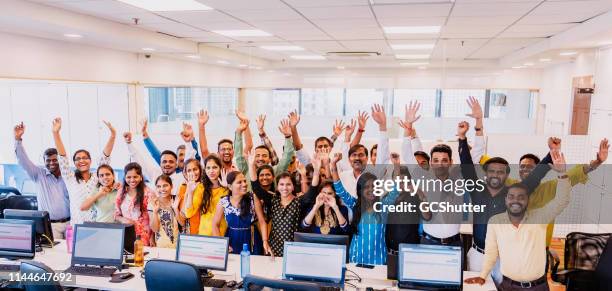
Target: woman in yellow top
x,y
191,188
206,204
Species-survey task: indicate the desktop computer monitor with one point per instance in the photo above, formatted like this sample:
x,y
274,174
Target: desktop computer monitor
x,y
206,252
129,236
44,232
99,244
17,239
430,266
330,239
323,263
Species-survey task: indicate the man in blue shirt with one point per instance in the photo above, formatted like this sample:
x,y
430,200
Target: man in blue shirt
x,y
51,194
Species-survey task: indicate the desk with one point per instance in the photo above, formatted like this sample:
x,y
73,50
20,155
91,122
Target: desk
x,y
58,258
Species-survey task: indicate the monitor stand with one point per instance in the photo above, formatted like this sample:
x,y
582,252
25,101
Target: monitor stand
x,y
205,274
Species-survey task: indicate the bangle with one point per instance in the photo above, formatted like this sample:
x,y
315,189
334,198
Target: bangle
x,y
262,134
361,130
563,176
477,128
287,136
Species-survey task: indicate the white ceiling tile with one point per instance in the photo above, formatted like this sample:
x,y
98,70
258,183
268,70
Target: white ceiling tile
x,y
244,4
336,12
325,3
282,25
592,7
326,46
426,21
95,7
176,29
354,23
305,37
229,25
546,28
194,17
416,10
283,13
526,34
473,29
555,18
488,9
366,44
483,20
211,37
360,34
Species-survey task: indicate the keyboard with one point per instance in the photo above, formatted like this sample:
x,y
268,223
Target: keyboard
x,y
9,267
213,283
91,271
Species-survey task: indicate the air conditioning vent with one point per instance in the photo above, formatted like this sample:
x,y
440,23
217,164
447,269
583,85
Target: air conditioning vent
x,y
353,54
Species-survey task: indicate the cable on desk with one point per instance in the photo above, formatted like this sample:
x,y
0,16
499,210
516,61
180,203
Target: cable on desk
x,y
357,277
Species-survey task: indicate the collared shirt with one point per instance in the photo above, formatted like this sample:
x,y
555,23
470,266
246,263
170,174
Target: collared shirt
x,y
79,190
151,170
51,193
522,250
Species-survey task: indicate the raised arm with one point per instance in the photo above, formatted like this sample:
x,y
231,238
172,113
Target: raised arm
x,y
294,120
108,148
241,162
288,149
410,117
202,120
533,180
383,157
467,165
348,200
562,198
362,119
261,122
22,158
149,144
478,149
149,168
57,138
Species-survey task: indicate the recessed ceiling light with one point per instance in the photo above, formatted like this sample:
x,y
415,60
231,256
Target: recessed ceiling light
x,y
411,29
412,57
567,53
308,57
412,46
72,35
193,57
282,47
222,62
340,67
518,67
414,64
165,5
242,32
545,60
242,65
528,64
148,49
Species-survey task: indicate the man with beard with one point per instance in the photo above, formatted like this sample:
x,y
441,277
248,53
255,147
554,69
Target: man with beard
x,y
225,147
492,197
51,193
156,154
518,236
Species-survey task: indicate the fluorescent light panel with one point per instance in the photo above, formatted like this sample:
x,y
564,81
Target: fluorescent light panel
x,y
545,60
412,57
412,46
242,32
308,57
567,53
72,35
281,48
148,49
411,29
167,5
415,64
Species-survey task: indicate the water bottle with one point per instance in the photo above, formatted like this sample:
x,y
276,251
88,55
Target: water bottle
x,y
138,252
69,233
245,261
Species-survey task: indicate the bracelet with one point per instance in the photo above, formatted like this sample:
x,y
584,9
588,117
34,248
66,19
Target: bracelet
x,y
262,134
564,176
287,136
361,130
477,128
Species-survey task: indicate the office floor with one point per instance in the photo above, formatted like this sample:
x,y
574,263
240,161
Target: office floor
x,y
557,245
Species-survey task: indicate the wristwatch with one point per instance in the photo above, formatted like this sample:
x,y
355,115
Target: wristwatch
x,y
563,176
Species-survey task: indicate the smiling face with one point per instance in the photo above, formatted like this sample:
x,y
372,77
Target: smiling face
x,y
285,186
373,156
192,168
168,164
526,166
440,163
359,159
106,177
262,157
321,145
496,175
132,178
517,201
328,191
226,152
212,170
239,185
164,189
82,161
265,177
51,163
367,192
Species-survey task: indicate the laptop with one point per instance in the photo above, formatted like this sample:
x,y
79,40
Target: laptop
x,y
323,264
97,249
430,267
206,253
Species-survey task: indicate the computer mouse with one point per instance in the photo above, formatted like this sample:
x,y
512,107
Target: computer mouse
x,y
126,276
231,284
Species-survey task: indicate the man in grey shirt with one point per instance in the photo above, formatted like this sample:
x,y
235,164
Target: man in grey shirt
x,y
52,194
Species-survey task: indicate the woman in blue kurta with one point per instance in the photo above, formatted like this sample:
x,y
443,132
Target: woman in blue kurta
x,y
240,211
368,245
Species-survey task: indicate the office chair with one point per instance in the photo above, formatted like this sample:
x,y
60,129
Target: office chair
x,y
603,272
581,255
252,283
6,191
20,202
33,267
159,274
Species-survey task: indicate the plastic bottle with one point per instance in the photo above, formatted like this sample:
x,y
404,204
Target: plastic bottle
x,y
245,261
138,252
69,234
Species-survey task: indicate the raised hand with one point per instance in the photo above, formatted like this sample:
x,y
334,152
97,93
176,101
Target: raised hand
x,y
602,154
301,168
144,126
337,157
379,116
19,130
331,202
294,118
412,109
362,119
202,117
338,127
350,128
558,163
261,121
110,128
155,201
285,127
191,182
475,107
127,136
554,143
57,125
240,114
462,129
320,201
187,133
242,125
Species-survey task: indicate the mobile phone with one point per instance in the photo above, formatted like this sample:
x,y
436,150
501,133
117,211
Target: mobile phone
x,y
365,266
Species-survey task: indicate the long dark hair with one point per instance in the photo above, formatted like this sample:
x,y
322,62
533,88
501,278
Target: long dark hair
x,y
77,174
330,184
208,184
285,175
140,189
362,205
187,162
269,168
104,166
245,202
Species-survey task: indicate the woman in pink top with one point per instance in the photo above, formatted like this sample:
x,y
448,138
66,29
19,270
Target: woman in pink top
x,y
132,202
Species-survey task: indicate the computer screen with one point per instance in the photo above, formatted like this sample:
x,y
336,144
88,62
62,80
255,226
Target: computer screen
x,y
16,238
310,261
430,264
330,239
208,252
98,243
44,233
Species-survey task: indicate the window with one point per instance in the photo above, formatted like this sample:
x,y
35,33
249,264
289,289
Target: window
x,y
181,103
322,102
453,101
285,101
363,99
427,98
510,104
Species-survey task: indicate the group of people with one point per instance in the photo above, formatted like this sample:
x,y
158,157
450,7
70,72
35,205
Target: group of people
x,y
256,197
